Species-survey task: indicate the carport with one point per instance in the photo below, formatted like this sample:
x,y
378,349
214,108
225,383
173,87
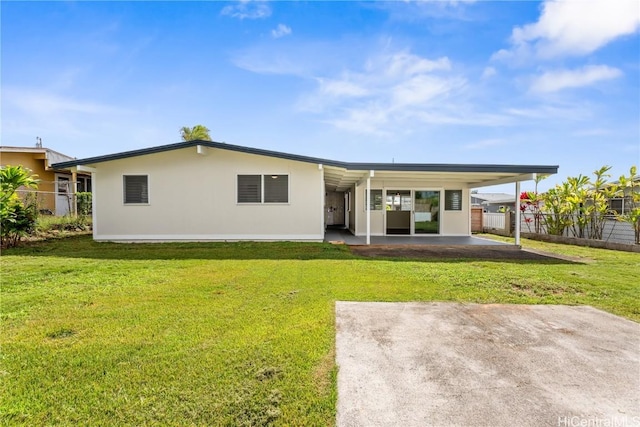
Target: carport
x,y
411,199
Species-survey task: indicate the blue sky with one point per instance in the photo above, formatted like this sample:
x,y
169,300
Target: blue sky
x,y
552,82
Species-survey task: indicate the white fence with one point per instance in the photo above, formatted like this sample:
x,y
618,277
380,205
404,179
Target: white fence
x,y
495,221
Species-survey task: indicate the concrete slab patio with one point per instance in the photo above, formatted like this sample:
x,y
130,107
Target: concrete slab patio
x,y
442,364
344,236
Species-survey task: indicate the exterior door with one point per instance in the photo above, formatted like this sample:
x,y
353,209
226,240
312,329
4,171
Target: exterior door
x,y
398,205
334,208
426,218
63,195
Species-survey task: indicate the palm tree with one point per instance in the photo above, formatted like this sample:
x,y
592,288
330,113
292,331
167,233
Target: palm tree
x,y
198,132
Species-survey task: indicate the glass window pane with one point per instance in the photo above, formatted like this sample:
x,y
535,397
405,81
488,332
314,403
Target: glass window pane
x,y
136,189
249,189
276,188
453,200
376,200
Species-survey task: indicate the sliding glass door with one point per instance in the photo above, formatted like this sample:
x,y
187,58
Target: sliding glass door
x,y
426,212
398,205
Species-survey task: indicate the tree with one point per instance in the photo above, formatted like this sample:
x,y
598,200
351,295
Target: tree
x,y
196,133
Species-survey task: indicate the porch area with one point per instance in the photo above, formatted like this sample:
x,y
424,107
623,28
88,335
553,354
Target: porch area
x,y
345,236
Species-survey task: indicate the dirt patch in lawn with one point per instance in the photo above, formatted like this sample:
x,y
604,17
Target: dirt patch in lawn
x,y
458,252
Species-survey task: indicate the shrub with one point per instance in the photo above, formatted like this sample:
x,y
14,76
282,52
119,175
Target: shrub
x,y
17,218
84,203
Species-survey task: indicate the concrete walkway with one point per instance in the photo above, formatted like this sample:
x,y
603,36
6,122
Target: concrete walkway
x,y
442,364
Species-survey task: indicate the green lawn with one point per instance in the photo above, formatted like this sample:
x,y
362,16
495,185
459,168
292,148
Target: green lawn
x,y
231,334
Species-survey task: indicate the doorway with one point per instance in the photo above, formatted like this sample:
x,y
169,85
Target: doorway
x,y
63,195
334,209
398,205
426,218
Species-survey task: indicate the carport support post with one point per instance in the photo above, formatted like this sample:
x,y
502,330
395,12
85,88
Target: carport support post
x,y
517,205
368,207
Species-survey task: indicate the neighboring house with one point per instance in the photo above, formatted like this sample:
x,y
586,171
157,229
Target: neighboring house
x,y
55,189
494,202
623,204
201,190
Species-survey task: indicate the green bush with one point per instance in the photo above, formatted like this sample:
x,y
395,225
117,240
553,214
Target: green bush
x,y
84,203
17,218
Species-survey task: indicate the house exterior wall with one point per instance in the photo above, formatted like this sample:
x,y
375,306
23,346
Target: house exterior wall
x,y
36,163
194,197
453,223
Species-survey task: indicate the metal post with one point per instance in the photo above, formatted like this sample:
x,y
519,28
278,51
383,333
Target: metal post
x,y
367,207
517,205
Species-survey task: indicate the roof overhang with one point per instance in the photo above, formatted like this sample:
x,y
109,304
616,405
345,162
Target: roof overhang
x,y
340,176
341,179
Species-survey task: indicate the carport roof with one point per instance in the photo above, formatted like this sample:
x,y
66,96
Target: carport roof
x,y
340,176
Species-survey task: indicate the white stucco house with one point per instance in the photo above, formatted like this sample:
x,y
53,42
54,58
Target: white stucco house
x,y
202,190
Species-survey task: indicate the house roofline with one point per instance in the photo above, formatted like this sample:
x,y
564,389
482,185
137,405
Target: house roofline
x,y
10,149
407,167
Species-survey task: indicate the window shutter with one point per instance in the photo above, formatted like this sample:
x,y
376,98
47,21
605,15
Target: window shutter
x,y
249,189
453,200
136,189
276,188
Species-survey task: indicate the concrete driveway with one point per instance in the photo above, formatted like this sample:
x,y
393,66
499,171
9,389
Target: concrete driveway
x,y
442,364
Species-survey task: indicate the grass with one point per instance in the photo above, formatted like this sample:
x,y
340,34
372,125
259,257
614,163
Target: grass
x,y
48,223
231,334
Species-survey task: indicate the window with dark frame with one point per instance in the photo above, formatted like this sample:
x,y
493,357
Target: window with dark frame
x,y
136,189
263,188
452,200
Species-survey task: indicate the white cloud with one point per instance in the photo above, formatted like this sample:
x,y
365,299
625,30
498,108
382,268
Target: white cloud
x,y
47,104
573,28
390,94
246,9
28,110
341,88
553,81
281,31
488,72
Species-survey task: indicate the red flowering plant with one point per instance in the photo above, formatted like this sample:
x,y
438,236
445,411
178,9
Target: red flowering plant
x,y
530,209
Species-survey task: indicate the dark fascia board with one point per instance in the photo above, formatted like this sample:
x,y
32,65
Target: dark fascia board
x,y
407,167
211,144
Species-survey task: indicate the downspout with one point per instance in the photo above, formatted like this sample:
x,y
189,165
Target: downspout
x,y
323,189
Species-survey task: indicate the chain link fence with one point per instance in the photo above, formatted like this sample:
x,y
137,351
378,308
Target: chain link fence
x,y
613,230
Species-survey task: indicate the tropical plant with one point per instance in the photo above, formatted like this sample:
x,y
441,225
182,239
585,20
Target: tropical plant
x,y
198,132
598,201
576,206
531,202
17,218
557,213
